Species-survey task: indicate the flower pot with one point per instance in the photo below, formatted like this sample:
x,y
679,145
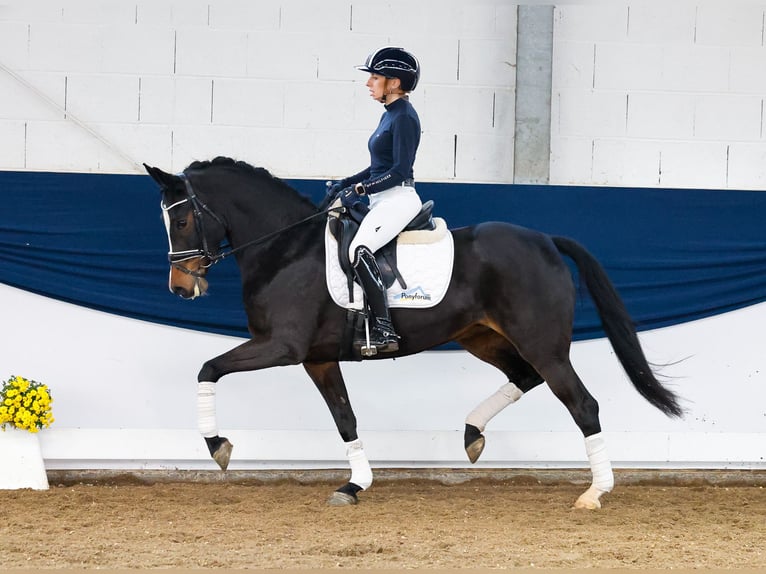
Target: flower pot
x,y
21,460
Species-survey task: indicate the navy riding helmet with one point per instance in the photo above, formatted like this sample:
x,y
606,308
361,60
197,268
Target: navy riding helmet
x,y
393,62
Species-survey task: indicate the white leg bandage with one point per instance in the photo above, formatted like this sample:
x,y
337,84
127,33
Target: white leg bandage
x,y
206,409
600,466
482,414
361,473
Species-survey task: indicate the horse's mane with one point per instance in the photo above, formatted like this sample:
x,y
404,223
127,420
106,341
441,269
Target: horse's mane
x,y
259,172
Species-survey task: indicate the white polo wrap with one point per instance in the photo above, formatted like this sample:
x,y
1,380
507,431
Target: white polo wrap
x,y
600,466
361,473
504,396
206,409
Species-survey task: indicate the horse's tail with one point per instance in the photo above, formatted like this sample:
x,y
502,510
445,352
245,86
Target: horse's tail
x,y
619,327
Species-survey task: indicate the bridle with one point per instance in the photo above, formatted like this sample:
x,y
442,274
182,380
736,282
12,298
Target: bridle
x,y
210,256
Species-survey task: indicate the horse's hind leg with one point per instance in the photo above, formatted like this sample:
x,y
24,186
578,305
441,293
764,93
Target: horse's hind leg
x,y
329,380
496,350
567,386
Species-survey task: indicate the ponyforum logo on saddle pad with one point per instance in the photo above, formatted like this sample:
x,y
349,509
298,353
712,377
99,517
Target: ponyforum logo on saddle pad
x,y
424,259
414,294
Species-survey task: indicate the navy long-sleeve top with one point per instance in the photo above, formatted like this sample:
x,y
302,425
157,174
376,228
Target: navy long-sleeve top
x,y
393,146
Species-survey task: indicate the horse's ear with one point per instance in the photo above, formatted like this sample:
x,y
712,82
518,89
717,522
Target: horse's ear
x,y
162,178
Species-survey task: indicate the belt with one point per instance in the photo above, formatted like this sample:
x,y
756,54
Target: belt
x,y
408,183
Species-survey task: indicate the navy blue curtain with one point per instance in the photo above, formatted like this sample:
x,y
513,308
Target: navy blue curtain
x,y
675,255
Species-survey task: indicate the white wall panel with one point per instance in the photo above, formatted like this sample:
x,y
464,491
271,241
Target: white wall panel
x,y
728,117
55,47
649,24
438,58
626,162
171,13
326,106
278,55
701,165
435,154
14,37
132,49
176,100
96,12
483,157
576,69
206,52
628,67
598,113
695,79
64,146
695,69
747,166
243,15
661,115
469,109
308,16
97,98
248,102
32,96
748,70
571,160
719,24
597,22
13,144
488,62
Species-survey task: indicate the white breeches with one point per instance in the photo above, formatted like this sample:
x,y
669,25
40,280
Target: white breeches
x,y
390,211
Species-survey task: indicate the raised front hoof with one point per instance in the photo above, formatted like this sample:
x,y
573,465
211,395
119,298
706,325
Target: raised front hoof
x,y
589,500
220,449
475,449
474,442
345,495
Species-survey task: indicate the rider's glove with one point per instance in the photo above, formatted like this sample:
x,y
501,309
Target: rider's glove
x,y
348,197
333,187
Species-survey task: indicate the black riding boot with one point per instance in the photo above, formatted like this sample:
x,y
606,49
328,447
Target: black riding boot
x,y
382,335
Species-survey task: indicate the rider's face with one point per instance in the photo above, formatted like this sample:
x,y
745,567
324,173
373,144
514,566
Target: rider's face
x,y
379,86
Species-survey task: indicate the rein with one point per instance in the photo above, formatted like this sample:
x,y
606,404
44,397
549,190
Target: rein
x,y
198,206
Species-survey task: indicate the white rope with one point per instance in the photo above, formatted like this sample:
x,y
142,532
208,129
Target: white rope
x,y
136,166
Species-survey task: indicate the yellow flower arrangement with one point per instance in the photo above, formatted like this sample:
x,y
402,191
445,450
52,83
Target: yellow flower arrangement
x,y
25,404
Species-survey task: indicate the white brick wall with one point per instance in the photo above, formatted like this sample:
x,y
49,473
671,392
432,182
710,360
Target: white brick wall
x,y
642,94
271,82
692,78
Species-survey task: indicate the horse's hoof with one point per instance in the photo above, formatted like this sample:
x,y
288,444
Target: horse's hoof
x,y
475,449
589,500
222,455
338,498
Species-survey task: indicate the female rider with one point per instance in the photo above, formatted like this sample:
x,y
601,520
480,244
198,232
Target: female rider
x,y
387,182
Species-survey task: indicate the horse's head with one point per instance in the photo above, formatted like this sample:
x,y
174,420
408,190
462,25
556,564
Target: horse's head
x,y
194,231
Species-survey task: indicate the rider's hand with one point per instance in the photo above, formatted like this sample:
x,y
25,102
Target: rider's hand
x,y
333,188
348,197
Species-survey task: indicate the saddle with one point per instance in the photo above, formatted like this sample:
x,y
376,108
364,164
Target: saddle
x,y
344,227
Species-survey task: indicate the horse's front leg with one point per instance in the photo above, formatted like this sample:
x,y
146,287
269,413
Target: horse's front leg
x,y
249,356
329,380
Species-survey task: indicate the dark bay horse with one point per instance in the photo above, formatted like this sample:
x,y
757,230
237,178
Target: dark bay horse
x,y
510,303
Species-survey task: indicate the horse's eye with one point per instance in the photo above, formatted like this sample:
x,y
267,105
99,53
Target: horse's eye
x,y
180,224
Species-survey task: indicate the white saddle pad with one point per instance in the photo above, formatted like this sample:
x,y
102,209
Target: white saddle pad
x,y
424,259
